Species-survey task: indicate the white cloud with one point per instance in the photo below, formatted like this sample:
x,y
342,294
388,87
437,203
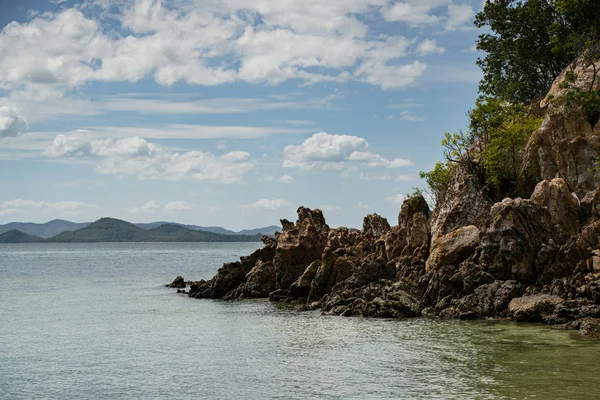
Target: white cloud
x,y
134,156
270,204
429,46
336,152
178,206
59,208
12,123
406,115
148,207
458,16
285,179
209,43
396,199
414,12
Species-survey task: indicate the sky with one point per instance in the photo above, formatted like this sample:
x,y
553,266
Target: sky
x,y
227,112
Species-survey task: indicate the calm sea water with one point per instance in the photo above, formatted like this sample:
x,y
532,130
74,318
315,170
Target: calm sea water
x,y
92,321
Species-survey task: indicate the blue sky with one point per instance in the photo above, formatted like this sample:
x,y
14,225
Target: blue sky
x,y
227,112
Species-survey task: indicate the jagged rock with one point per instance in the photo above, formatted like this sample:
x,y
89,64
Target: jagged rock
x,y
514,234
566,145
259,282
382,299
301,288
299,246
375,226
464,204
488,300
413,236
394,242
201,289
562,205
534,308
454,247
178,283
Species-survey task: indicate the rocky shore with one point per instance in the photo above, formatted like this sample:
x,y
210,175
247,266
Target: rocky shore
x,y
533,259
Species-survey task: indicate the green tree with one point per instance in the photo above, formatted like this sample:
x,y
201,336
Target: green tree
x,y
531,42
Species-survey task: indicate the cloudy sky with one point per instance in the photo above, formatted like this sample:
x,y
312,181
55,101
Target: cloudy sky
x,y
227,112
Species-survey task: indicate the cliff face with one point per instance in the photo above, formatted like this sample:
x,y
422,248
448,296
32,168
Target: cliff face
x,y
535,259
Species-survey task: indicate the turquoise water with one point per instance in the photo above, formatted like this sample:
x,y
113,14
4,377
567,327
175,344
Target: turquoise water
x,y
93,321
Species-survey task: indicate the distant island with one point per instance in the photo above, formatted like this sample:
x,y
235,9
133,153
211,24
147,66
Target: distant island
x,y
115,230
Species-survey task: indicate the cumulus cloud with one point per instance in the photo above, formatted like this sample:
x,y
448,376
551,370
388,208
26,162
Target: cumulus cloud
x,y
270,204
12,123
212,43
134,156
414,12
336,152
459,15
23,206
178,206
429,46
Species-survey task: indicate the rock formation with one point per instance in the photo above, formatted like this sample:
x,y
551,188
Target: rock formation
x,y
535,260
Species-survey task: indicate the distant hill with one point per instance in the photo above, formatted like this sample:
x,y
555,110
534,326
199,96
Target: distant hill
x,y
16,236
267,230
213,229
178,233
103,230
46,230
116,230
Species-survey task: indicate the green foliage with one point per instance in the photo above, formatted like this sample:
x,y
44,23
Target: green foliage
x,y
502,156
438,180
531,42
456,145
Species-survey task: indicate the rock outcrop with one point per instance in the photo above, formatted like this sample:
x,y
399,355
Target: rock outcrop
x,y
533,260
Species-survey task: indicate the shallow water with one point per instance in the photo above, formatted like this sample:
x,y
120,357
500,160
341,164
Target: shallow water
x,y
93,321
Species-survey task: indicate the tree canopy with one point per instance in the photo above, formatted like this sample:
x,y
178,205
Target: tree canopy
x,y
530,42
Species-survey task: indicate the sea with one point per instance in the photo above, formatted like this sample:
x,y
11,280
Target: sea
x,y
94,321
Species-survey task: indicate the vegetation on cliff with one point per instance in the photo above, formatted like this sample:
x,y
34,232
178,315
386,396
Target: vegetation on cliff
x,y
529,44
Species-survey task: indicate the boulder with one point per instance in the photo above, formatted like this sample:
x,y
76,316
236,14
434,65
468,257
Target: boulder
x,y
535,308
514,234
454,247
561,204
